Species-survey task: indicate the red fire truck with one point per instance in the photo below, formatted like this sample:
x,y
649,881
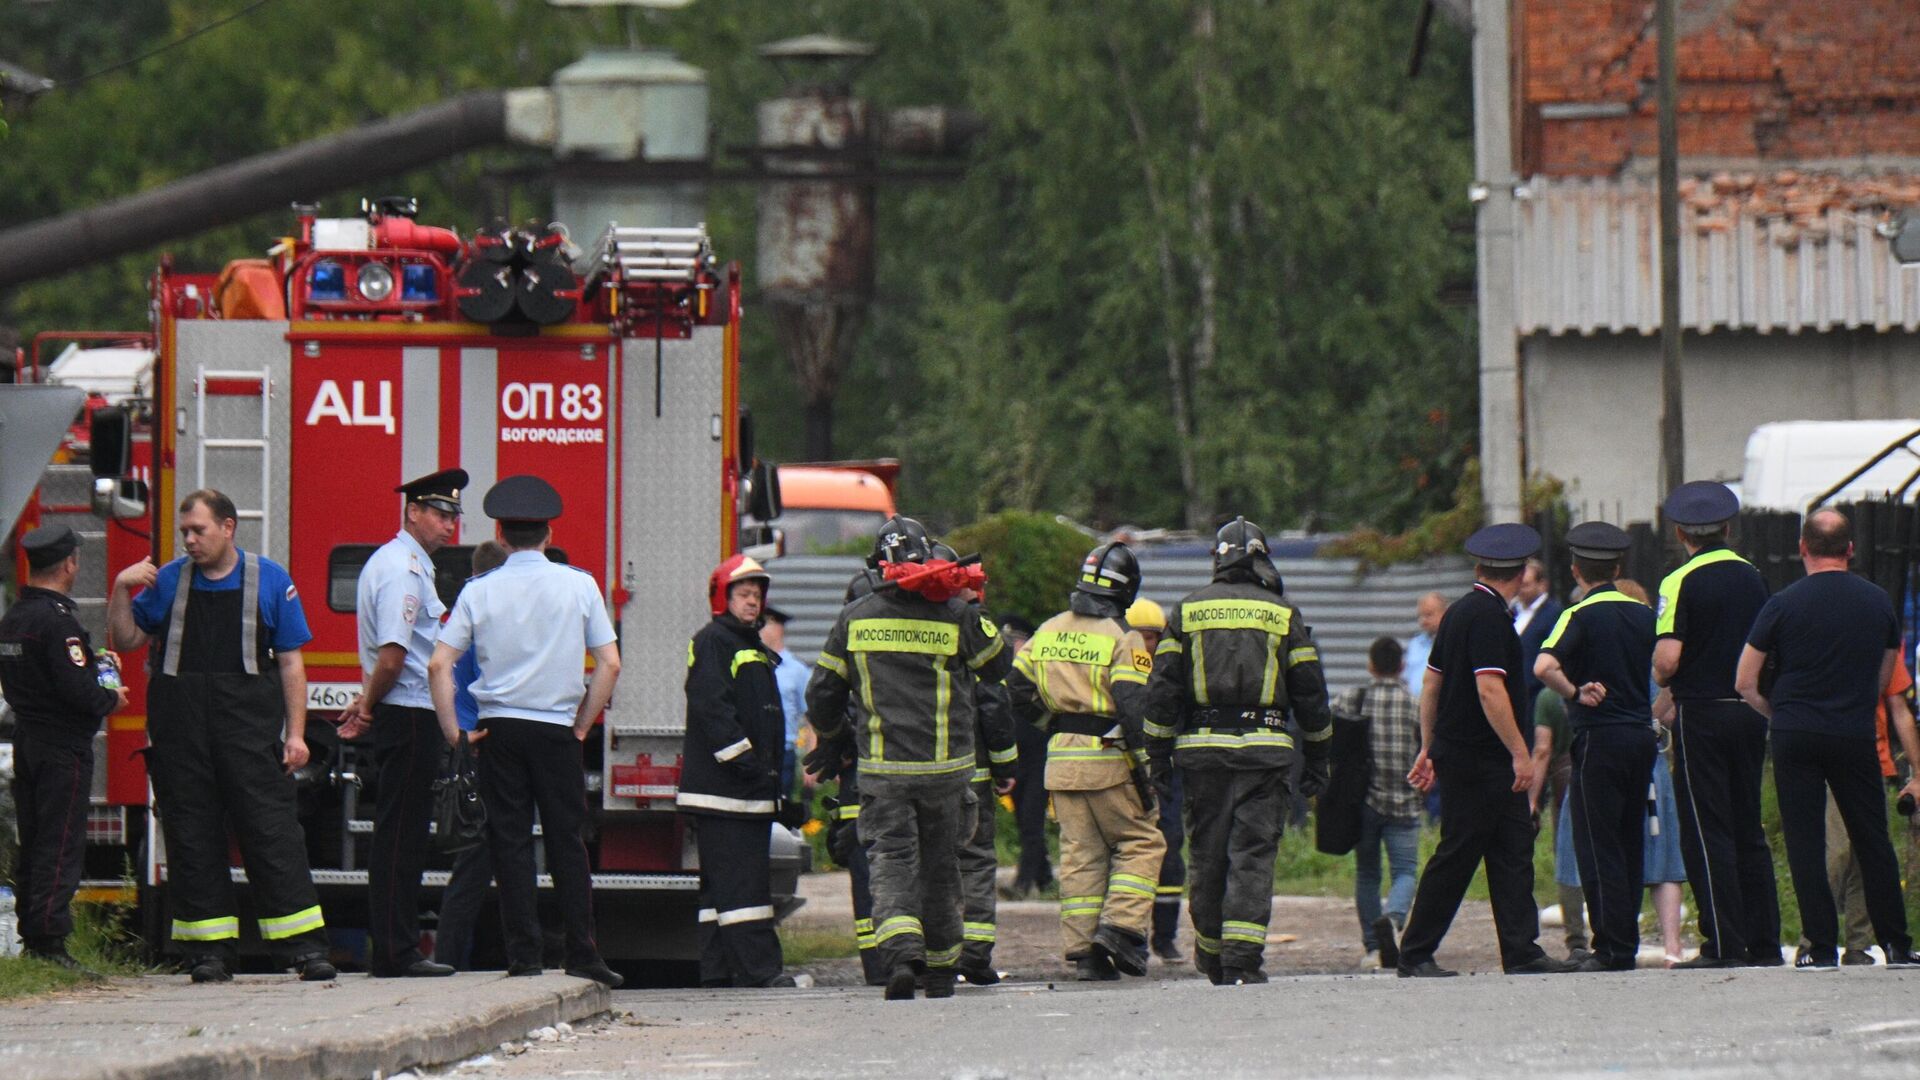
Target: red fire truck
x,y
365,351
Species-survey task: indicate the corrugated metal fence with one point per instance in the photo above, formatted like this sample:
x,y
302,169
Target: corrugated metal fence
x,y
1347,611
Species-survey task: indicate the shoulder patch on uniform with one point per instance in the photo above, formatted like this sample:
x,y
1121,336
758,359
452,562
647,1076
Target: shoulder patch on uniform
x,y
1661,607
1142,660
76,652
987,627
292,593
408,607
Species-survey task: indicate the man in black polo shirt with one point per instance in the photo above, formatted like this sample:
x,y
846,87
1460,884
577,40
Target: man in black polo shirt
x,y
1720,745
1837,639
1471,742
1597,657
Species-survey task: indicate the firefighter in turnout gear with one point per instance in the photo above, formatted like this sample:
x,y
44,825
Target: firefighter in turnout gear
x,y
1149,620
1084,674
226,720
827,761
995,757
1235,660
905,658
730,782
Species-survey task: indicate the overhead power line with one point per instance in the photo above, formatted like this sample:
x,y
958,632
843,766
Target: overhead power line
x,y
158,49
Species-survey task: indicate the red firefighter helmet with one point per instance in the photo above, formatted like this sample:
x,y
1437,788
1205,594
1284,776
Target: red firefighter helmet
x,y
738,568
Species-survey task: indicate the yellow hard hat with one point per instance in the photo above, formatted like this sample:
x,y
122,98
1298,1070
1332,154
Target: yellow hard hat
x,y
1146,615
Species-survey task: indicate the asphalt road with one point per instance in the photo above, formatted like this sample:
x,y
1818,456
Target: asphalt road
x,y
1860,1023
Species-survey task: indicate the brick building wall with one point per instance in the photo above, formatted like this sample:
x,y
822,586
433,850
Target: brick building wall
x,y
1771,82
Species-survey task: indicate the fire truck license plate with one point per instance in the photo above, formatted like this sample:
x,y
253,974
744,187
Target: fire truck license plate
x,y
331,696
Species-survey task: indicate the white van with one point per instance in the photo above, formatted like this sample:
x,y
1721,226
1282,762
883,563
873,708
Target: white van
x,y
1791,463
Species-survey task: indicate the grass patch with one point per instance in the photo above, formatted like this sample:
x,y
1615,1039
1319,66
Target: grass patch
x,y
804,945
100,941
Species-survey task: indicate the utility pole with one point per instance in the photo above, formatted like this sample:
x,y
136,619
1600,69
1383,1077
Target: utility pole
x,y
1502,464
1673,464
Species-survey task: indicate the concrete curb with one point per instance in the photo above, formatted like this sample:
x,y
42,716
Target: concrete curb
x,y
402,1032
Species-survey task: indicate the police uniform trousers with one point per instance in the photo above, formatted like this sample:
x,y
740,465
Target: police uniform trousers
x,y
408,751
912,833
1608,799
1030,806
1482,819
52,788
1719,754
979,863
1173,865
738,946
1234,818
1806,765
215,763
528,765
462,904
1110,849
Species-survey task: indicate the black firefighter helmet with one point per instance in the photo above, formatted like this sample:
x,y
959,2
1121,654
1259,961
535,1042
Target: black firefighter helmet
x,y
901,540
1241,545
1110,571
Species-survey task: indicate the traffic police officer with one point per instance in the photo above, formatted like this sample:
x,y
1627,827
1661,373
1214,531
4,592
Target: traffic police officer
x,y
1236,658
226,720
528,623
995,757
58,692
900,655
1706,607
1471,741
1597,657
1149,620
1083,674
730,779
398,610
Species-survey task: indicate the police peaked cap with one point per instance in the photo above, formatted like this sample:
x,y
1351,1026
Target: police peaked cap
x,y
1505,545
439,490
1598,540
522,499
48,545
1702,502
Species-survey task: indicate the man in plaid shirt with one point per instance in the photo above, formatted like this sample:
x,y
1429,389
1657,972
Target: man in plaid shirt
x,y
1391,816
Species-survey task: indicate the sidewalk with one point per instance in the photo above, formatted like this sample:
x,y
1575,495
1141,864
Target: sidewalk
x,y
274,1026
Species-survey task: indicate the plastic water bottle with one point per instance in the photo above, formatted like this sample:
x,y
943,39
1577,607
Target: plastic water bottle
x,y
9,924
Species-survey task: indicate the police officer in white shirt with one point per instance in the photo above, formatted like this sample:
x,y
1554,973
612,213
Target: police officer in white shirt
x,y
398,609
529,623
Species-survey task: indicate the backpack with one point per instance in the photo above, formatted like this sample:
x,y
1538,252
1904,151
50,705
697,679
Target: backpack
x,y
1337,813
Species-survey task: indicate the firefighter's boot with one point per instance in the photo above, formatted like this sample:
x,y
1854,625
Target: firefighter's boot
x,y
939,982
1234,976
1126,949
1095,967
902,983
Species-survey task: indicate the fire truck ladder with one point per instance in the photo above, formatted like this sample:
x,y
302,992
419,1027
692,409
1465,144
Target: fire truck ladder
x,y
238,383
629,256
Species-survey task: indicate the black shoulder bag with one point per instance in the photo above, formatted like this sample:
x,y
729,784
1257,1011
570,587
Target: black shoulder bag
x,y
1337,813
459,817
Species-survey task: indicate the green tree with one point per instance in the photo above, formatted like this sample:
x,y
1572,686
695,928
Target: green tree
x,y
1030,559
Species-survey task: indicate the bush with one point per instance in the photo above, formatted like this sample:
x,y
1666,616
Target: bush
x,y
1030,560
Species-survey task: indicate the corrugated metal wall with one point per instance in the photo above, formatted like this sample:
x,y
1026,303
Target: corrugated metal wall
x,y
1589,261
1346,612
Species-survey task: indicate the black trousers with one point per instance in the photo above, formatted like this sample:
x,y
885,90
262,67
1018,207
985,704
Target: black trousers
x,y
462,904
1805,765
1482,819
214,761
408,752
1173,867
1030,806
1234,819
529,764
52,783
1719,755
1612,764
738,945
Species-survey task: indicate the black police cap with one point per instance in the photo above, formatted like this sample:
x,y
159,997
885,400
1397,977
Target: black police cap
x,y
439,490
48,545
1598,540
1504,545
1702,502
774,614
522,498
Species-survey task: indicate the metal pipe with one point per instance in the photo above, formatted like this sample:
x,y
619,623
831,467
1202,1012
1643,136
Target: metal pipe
x,y
268,181
1902,444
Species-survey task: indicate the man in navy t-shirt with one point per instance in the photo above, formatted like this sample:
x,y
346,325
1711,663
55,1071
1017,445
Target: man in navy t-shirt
x,y
1836,639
